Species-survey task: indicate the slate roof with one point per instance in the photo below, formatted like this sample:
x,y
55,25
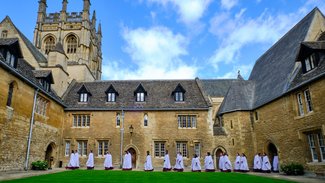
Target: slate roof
x,y
159,95
41,73
12,44
216,87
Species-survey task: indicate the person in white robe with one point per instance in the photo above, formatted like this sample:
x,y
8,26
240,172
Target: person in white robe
x,y
237,163
72,161
266,165
167,166
196,165
221,162
108,164
257,162
208,163
276,163
127,161
148,163
76,156
227,164
90,161
243,163
179,165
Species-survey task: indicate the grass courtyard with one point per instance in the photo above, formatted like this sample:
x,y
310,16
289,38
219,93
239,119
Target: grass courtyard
x,y
140,176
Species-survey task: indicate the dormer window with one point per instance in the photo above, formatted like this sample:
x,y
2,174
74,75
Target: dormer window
x,y
309,63
178,93
111,94
4,34
45,78
84,94
10,59
140,94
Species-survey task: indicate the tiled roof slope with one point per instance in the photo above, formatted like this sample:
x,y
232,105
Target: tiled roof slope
x,y
272,71
159,95
216,87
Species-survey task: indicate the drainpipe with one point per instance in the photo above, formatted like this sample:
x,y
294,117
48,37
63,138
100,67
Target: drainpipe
x,y
122,133
30,130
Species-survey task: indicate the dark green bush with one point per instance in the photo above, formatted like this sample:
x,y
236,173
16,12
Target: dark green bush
x,y
39,165
293,169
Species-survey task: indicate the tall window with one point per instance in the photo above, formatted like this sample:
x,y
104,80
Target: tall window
x,y
308,101
10,59
140,97
111,97
71,44
10,93
186,121
118,119
102,147
321,146
67,148
83,97
300,105
159,149
4,34
316,146
81,120
49,44
145,120
197,149
41,106
179,96
82,147
310,63
182,147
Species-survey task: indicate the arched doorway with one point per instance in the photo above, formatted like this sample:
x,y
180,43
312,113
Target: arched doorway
x,y
134,157
271,152
49,154
217,154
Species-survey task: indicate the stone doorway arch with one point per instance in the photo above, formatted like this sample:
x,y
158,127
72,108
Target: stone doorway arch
x,y
133,157
271,151
216,155
49,154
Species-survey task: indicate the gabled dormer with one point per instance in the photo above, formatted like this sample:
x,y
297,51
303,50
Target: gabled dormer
x,y
84,94
140,94
45,78
179,93
309,53
111,94
10,51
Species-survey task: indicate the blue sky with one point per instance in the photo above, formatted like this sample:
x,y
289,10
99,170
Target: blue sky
x,y
178,39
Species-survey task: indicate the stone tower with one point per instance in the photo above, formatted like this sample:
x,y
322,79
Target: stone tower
x,y
77,34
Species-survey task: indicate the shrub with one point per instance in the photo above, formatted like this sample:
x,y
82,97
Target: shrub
x,y
293,169
39,165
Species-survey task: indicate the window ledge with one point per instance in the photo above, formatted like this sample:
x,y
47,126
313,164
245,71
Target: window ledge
x,y
305,115
187,128
82,102
180,102
80,127
316,163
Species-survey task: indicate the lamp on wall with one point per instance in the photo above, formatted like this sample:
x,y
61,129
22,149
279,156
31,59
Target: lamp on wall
x,y
131,129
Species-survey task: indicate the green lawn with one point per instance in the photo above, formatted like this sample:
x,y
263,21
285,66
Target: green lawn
x,y
139,176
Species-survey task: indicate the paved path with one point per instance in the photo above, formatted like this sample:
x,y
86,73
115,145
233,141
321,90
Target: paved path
x,y
9,175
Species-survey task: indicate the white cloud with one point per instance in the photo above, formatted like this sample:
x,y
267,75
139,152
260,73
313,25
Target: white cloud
x,y
156,54
228,4
190,11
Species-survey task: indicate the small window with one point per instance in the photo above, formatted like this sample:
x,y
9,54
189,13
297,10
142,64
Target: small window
x,y
82,147
67,148
118,119
310,63
41,106
111,97
4,34
300,105
231,125
102,147
179,96
186,121
312,147
159,149
197,149
140,97
145,120
182,147
256,116
83,97
10,94
81,120
308,101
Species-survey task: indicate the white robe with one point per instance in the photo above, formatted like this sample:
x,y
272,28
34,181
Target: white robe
x,y
126,162
266,165
257,162
221,162
148,163
196,165
237,163
72,162
179,162
76,157
208,163
90,161
167,162
227,164
108,161
276,163
243,164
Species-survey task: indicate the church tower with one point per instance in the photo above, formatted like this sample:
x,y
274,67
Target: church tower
x,y
76,32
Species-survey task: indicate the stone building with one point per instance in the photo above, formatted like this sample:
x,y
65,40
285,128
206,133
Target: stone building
x,y
280,109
